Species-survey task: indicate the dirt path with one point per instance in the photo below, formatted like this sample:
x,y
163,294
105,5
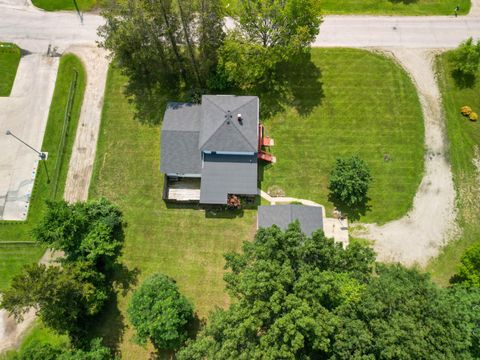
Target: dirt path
x,y
418,236
84,148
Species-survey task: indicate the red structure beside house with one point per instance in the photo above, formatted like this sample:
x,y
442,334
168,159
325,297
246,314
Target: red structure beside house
x,y
264,140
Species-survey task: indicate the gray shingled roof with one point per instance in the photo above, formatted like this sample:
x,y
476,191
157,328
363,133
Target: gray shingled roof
x,y
220,125
227,174
310,217
179,141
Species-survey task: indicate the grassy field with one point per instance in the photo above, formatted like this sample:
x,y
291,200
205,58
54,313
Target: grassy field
x,y
9,59
11,259
367,106
54,5
384,7
464,137
184,243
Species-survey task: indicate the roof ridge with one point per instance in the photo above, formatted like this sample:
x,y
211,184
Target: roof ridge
x,y
238,107
218,129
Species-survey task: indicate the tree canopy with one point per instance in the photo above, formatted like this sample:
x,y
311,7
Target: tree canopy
x,y
90,231
163,44
349,182
296,297
466,62
67,297
160,313
469,270
265,34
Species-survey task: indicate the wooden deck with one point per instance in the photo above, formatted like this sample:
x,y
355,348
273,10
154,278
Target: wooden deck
x,y
184,190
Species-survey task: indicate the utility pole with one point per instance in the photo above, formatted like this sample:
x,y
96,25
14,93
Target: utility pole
x,y
41,155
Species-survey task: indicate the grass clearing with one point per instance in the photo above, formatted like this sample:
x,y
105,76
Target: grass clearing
x,y
383,7
13,257
9,60
182,242
370,108
464,151
55,5
21,230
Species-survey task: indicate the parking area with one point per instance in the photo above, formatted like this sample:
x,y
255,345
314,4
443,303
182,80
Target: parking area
x,y
25,114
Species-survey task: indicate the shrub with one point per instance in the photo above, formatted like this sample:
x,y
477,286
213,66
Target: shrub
x,y
160,313
473,116
349,182
466,110
234,202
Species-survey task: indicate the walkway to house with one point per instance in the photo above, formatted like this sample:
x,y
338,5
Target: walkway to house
x,y
333,228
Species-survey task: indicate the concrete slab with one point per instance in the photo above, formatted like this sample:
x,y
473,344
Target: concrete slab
x,y
25,114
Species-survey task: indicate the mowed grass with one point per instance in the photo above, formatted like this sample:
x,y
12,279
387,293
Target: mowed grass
x,y
369,108
13,257
383,7
182,242
42,191
9,60
394,7
464,151
55,5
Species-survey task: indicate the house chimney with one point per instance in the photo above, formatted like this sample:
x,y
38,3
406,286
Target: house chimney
x,y
239,118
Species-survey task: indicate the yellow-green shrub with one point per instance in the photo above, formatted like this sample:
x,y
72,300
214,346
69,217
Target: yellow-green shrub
x,y
466,110
473,116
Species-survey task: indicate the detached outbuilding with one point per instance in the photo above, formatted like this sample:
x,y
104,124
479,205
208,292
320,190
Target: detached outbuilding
x,y
309,217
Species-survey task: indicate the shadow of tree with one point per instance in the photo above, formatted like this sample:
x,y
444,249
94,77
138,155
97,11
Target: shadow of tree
x,y
353,213
110,323
296,83
463,80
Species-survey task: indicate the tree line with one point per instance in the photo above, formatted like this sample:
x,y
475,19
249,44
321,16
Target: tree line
x,y
190,46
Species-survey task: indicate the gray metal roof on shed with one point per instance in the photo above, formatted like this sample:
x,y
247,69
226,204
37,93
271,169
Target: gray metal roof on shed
x,y
310,217
227,174
220,125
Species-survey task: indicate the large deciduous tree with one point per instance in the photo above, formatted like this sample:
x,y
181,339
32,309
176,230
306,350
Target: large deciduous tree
x,y
403,315
349,182
65,298
90,231
264,34
160,313
466,62
309,298
284,286
169,44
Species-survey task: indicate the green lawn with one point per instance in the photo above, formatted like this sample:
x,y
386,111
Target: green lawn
x,y
184,243
384,7
9,59
54,5
13,257
464,137
21,230
370,108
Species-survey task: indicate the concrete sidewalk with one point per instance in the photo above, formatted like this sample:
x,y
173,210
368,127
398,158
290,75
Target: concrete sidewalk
x,y
25,113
